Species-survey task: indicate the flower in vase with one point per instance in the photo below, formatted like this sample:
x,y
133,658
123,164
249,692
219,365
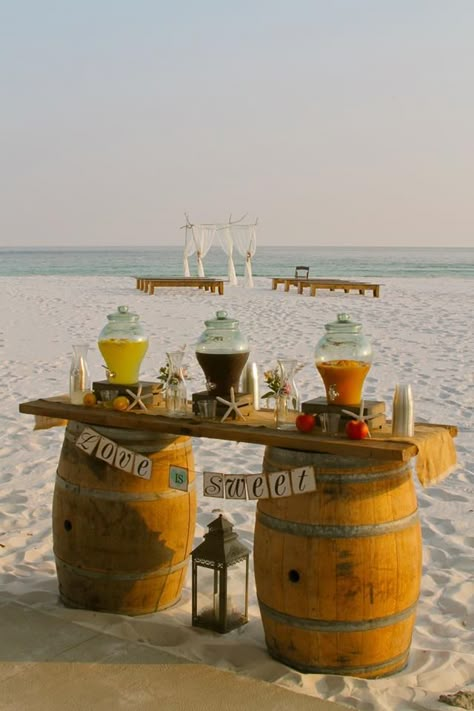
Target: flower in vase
x,y
273,381
278,387
164,376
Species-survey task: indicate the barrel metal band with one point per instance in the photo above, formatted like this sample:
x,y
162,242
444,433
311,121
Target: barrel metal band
x,y
314,530
337,477
121,575
312,625
348,670
120,495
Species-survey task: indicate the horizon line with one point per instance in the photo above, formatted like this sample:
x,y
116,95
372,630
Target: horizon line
x,y
24,247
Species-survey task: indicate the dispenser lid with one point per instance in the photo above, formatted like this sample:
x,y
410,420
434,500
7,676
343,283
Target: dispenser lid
x,y
221,321
123,315
344,324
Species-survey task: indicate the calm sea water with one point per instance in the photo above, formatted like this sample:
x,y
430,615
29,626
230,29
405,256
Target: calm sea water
x,y
343,262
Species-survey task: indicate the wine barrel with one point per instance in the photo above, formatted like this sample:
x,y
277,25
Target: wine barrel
x,y
338,569
122,543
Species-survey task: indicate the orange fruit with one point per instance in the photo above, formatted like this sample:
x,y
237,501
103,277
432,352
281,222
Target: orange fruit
x,y
121,403
89,399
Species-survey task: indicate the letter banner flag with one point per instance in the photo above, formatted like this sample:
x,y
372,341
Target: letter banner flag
x,y
219,485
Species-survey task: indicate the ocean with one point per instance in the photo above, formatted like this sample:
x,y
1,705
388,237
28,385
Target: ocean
x,y
344,262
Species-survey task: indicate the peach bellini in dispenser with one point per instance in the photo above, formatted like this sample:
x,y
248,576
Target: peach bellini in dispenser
x,y
343,357
123,344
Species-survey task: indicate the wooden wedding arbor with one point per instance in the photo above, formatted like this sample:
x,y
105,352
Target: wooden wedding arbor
x,y
232,234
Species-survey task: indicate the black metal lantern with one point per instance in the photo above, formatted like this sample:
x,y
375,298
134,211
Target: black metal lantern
x,y
220,564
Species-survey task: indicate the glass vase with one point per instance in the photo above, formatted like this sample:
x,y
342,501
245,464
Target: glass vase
x,y
176,392
287,400
79,376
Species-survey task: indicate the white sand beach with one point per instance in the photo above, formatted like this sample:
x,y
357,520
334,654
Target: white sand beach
x,y
421,333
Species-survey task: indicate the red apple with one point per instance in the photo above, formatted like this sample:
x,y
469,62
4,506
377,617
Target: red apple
x,y
305,422
357,429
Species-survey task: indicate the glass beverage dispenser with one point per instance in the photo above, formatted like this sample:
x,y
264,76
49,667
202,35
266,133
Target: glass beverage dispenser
x,y
343,357
222,352
123,345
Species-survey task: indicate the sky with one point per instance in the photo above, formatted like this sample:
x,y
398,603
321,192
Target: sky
x,y
332,122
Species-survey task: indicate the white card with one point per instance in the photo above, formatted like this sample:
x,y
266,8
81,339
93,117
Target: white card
x,y
124,459
106,450
87,440
257,487
142,467
279,484
303,480
213,485
234,485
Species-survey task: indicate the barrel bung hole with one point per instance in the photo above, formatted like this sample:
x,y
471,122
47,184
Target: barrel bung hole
x,y
293,576
67,525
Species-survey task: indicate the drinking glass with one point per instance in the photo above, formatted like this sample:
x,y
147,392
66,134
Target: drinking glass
x,y
329,422
207,409
108,396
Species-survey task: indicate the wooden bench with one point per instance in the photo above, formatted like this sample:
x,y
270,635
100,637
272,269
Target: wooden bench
x,y
148,284
332,284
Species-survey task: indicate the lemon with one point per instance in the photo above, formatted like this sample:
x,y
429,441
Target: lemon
x,y
121,403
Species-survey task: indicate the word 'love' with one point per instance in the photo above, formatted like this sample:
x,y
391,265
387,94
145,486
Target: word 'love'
x,y
92,442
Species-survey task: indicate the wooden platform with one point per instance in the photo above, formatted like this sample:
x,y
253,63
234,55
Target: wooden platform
x,y
149,284
332,284
257,428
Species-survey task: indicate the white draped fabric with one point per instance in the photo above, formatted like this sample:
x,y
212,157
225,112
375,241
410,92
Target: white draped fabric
x,y
245,240
203,236
227,244
189,249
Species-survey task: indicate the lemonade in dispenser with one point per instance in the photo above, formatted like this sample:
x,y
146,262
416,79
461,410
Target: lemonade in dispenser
x,y
123,344
343,357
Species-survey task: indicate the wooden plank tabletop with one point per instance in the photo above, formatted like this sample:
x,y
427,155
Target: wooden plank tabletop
x,y
256,429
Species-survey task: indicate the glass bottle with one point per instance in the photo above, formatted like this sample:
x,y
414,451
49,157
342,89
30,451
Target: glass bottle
x,y
287,400
123,345
79,376
403,423
176,392
249,383
343,357
222,352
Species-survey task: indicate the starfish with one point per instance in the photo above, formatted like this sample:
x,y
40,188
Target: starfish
x,y
360,416
233,407
137,399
